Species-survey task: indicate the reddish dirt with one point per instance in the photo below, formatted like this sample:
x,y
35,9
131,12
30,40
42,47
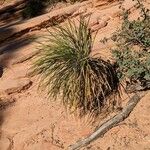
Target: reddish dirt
x,y
34,122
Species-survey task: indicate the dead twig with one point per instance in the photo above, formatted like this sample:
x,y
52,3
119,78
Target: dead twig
x,y
55,141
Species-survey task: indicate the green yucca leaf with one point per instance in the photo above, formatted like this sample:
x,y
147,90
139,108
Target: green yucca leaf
x,y
67,69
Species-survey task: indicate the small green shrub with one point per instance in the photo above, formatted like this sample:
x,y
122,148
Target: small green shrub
x,y
36,7
136,32
33,8
66,68
132,53
132,64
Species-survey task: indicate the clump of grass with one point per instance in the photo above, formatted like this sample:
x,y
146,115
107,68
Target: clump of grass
x,y
67,69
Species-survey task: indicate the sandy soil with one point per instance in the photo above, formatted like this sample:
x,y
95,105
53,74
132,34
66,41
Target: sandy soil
x,y
31,121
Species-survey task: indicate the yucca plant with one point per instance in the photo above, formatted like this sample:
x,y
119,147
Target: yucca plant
x,y
67,68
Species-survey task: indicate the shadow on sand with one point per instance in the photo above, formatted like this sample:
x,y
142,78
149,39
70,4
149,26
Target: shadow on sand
x,y
8,48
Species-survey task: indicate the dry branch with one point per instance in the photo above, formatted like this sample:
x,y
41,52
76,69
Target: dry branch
x,y
109,123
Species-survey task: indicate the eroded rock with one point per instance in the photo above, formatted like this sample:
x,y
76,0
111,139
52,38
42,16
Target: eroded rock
x,y
80,11
14,85
98,26
5,143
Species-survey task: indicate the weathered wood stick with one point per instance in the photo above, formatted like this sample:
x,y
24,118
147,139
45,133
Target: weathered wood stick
x,y
109,123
